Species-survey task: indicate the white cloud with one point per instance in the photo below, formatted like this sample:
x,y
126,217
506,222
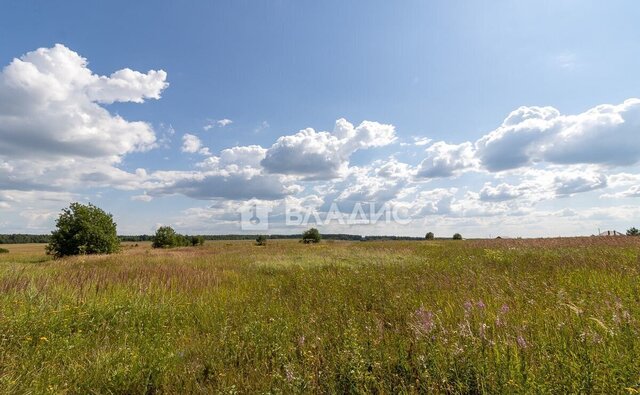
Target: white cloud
x,y
221,123
606,134
192,144
52,126
219,183
447,160
632,192
128,85
569,184
500,193
325,155
421,141
142,198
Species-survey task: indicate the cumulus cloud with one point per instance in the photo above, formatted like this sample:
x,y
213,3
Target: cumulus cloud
x,y
569,184
191,144
446,160
324,155
52,123
127,85
215,184
500,193
234,174
606,134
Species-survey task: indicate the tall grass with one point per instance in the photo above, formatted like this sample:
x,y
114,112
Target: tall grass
x,y
230,317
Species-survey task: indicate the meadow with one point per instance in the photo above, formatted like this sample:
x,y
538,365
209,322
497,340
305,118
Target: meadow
x,y
496,316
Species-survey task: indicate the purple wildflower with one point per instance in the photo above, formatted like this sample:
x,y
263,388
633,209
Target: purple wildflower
x,y
424,321
522,343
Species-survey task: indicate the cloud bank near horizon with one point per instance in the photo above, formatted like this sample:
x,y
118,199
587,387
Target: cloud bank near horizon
x,y
60,141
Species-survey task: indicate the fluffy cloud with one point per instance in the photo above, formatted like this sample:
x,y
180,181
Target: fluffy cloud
x,y
569,184
446,160
191,144
212,185
52,125
324,155
235,174
500,193
513,144
606,134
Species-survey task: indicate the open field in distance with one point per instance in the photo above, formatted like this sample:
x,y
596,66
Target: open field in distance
x,y
495,316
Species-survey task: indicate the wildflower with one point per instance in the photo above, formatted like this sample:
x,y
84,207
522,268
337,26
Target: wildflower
x,y
504,309
44,339
522,343
424,321
289,374
468,306
480,304
483,330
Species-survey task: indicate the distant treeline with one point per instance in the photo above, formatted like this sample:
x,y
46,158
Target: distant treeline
x,y
25,238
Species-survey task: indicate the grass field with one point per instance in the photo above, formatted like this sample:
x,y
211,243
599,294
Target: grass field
x,y
499,316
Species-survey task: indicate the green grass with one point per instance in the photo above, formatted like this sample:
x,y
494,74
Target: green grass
x,y
557,316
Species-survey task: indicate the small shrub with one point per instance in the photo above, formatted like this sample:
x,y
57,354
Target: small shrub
x,y
166,237
196,240
429,236
457,236
261,240
311,236
4,251
633,231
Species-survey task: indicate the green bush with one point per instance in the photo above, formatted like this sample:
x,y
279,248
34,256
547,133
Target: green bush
x,y
261,240
633,231
311,236
457,236
429,236
83,229
166,237
196,240
4,251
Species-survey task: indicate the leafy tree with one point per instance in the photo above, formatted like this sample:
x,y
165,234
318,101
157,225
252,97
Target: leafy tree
x,y
633,231
165,237
261,240
196,240
83,229
311,236
429,236
457,236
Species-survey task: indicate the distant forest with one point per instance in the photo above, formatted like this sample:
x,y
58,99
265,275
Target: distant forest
x,y
26,238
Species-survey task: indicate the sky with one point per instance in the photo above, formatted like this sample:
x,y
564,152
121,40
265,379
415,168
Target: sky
x,y
487,118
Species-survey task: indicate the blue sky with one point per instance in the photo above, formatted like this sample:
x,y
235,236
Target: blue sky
x,y
435,80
